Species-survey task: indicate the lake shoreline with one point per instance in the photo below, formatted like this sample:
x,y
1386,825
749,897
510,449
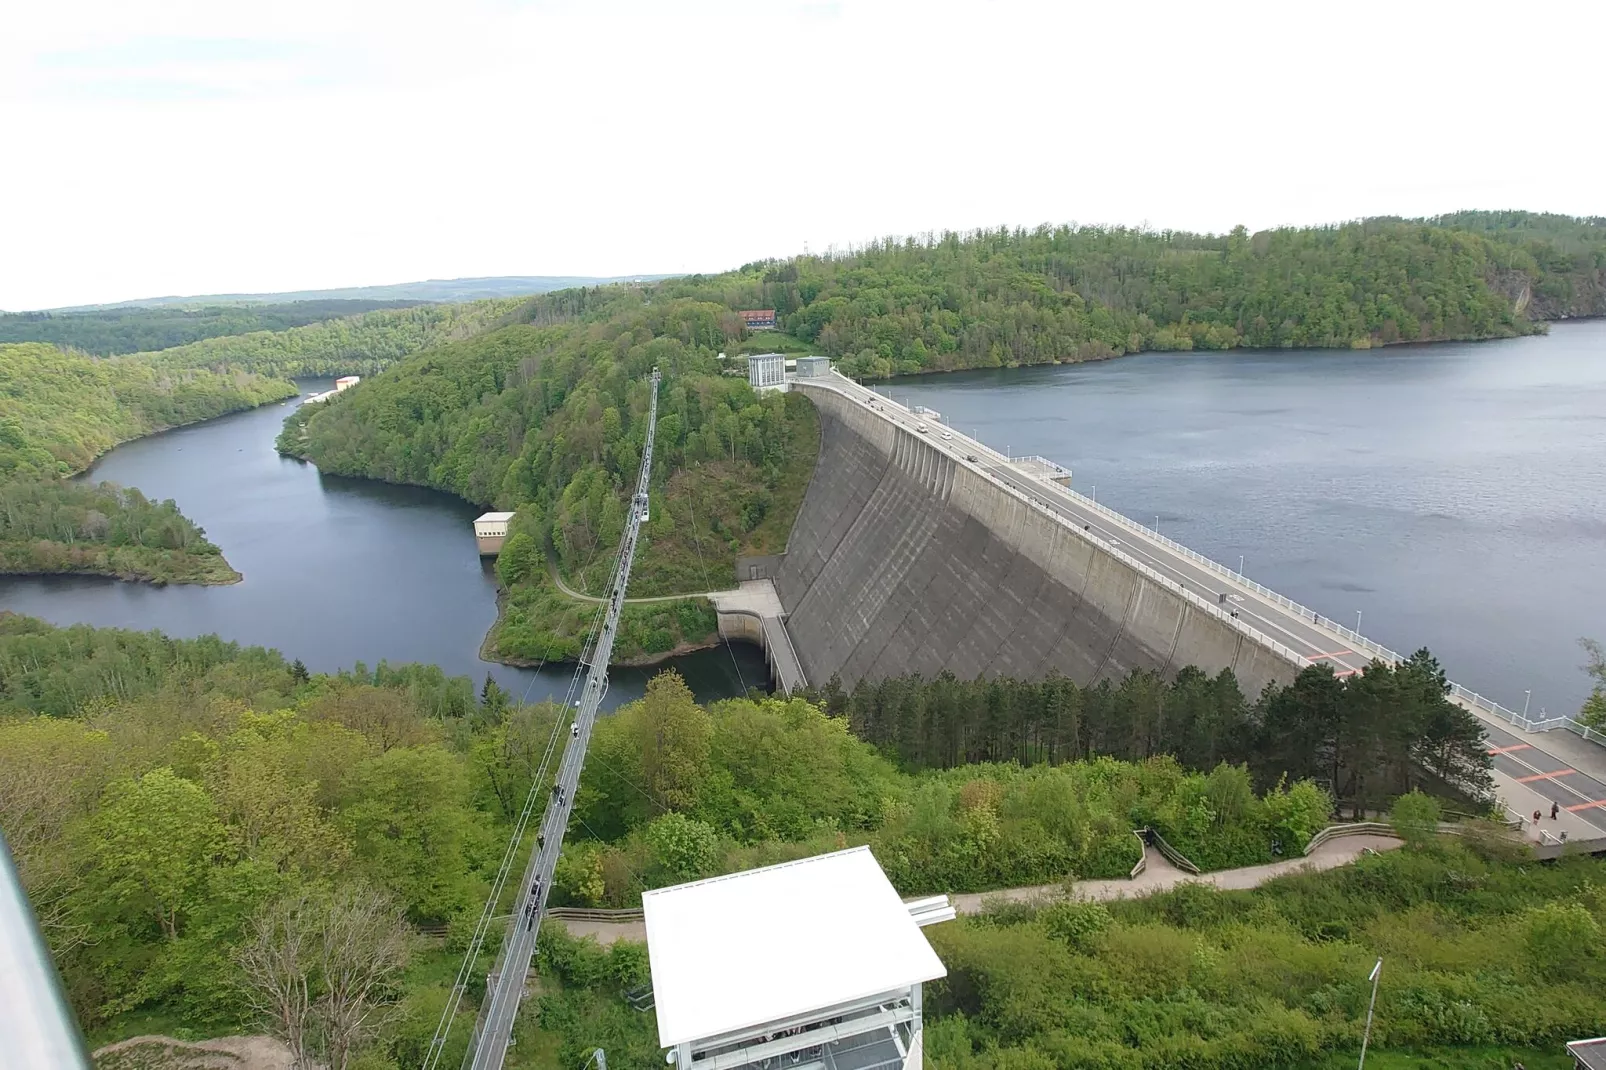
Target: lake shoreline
x,y
1423,343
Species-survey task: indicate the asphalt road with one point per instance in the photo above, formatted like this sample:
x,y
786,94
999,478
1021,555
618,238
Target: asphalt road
x,y
1543,772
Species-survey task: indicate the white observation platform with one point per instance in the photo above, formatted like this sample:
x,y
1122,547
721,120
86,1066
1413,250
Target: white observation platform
x,y
812,963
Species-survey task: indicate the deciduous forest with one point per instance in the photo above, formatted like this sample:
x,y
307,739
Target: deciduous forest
x,y
1007,297
183,811
56,526
549,420
354,345
61,410
108,331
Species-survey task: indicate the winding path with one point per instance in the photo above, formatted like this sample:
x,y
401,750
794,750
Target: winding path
x,y
552,570
1158,876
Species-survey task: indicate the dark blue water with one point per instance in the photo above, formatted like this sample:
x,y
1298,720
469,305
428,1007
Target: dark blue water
x,y
1454,495
336,570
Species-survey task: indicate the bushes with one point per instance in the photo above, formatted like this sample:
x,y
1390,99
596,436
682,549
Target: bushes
x,y
1207,979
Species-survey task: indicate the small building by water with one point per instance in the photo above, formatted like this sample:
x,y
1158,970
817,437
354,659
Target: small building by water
x,y
346,382
813,367
490,531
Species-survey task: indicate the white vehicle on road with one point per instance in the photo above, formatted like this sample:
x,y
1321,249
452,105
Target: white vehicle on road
x,y
921,428
946,435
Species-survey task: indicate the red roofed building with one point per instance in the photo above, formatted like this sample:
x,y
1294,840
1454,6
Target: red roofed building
x,y
758,319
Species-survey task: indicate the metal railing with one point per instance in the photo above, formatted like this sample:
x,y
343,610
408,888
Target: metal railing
x,y
1211,608
1465,696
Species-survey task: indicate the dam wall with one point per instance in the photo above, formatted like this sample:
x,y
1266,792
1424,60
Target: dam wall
x,y
904,559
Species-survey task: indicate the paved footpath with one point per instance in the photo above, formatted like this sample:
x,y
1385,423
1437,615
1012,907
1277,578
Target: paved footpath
x,y
1158,876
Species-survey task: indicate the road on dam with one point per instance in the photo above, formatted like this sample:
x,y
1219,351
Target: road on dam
x,y
1549,776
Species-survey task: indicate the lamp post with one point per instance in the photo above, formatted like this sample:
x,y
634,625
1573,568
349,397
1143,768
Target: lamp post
x,y
1377,971
1527,696
1240,564
1357,622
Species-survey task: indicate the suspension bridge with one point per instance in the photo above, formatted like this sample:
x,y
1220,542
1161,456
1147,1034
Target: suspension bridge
x,y
493,1028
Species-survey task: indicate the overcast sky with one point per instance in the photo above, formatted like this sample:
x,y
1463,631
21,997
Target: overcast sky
x,y
202,147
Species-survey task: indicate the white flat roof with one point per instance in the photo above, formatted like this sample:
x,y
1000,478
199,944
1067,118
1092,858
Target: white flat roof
x,y
734,952
492,518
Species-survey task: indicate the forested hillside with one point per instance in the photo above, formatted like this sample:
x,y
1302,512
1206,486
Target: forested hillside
x,y
1008,297
356,345
549,420
184,810
51,526
58,412
109,331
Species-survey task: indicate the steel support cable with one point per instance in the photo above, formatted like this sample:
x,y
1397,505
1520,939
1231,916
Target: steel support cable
x,y
498,1013
488,914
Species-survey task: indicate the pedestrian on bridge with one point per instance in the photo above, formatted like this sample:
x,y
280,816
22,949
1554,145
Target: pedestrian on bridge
x,y
1555,808
1538,817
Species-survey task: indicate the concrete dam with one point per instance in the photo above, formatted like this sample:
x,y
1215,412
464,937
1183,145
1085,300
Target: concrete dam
x,y
909,557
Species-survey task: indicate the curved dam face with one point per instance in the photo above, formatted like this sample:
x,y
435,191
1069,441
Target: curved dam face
x,y
904,560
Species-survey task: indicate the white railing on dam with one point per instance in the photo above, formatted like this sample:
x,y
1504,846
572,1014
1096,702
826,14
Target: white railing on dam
x,y
1261,638
1360,642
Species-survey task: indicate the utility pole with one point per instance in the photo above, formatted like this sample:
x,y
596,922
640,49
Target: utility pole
x,y
1377,971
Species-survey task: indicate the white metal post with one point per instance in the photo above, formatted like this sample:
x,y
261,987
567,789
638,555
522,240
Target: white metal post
x,y
1377,971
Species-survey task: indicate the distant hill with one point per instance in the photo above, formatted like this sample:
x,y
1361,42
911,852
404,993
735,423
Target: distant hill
x,y
135,329
428,290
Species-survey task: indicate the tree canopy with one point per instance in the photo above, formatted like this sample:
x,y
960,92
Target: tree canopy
x,y
136,329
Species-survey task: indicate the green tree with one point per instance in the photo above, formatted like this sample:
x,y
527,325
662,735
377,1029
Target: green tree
x,y
151,846
682,847
410,829
674,734
519,557
1593,712
1416,818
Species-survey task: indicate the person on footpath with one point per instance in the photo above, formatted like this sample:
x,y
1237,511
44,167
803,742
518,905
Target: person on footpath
x,y
1555,808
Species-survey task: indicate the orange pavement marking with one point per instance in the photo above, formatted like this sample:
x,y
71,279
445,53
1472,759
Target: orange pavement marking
x,y
1587,805
1542,776
1508,750
1334,654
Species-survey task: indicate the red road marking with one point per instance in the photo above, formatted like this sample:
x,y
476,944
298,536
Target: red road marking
x,y
1587,805
1346,672
1334,654
1543,776
1508,750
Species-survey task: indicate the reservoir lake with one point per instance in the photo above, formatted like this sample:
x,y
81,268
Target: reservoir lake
x,y
336,570
1453,495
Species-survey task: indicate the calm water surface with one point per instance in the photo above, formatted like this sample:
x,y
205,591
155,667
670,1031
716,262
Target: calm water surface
x,y
1454,495
336,570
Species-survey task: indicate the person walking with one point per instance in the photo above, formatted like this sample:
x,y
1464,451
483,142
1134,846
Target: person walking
x,y
1555,808
1538,817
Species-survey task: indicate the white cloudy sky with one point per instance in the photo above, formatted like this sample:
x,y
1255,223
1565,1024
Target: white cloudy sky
x,y
202,147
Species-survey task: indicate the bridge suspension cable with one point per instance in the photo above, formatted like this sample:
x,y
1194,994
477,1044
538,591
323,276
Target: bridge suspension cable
x,y
493,1028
